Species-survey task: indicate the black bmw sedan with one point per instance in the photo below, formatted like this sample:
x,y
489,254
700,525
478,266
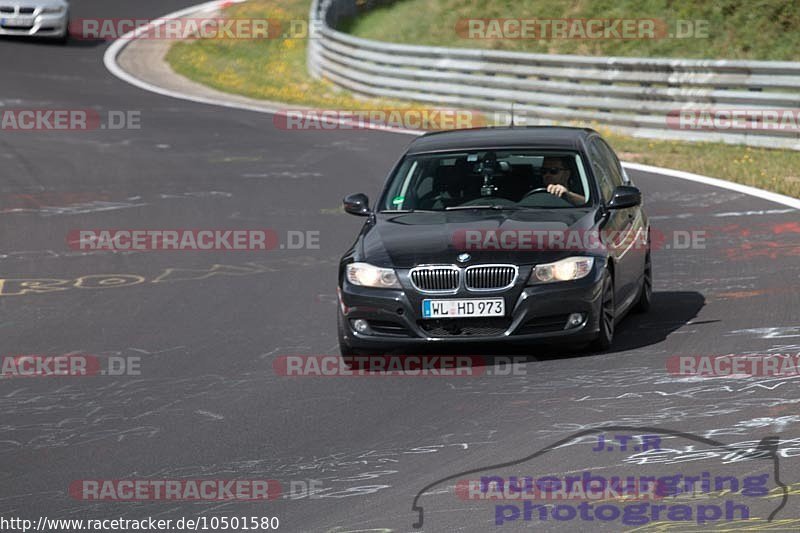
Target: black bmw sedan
x,y
511,235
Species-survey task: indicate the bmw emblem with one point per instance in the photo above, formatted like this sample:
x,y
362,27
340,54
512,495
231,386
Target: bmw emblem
x,y
463,258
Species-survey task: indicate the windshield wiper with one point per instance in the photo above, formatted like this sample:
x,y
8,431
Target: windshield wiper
x,y
463,207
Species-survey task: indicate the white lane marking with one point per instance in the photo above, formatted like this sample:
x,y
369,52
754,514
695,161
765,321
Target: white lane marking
x,y
755,213
110,61
716,182
758,213
774,332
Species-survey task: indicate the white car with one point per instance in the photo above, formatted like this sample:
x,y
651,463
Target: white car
x,y
35,18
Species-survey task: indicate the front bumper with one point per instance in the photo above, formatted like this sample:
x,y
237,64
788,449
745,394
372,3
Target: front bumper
x,y
533,313
35,25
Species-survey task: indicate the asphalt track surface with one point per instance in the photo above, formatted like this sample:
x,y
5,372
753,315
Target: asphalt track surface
x,y
209,405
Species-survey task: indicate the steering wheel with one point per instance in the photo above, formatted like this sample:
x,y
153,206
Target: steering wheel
x,y
535,191
551,200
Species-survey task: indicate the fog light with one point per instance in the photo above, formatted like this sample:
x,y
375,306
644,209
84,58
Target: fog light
x,y
361,326
574,320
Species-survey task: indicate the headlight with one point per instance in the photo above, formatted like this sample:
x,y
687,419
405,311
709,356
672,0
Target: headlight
x,y
366,275
52,10
567,269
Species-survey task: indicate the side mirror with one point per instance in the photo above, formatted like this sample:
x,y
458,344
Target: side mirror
x,y
357,204
625,196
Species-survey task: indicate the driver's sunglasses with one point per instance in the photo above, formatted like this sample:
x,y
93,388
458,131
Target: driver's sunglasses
x,y
552,170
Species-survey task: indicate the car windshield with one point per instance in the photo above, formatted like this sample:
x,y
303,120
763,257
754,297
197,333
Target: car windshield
x,y
490,179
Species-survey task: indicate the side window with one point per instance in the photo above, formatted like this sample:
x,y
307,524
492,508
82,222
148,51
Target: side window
x,y
613,163
601,170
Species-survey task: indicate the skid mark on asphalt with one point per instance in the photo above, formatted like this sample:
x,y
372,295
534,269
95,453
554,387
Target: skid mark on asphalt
x,y
85,414
341,475
54,203
286,174
195,194
38,255
209,414
670,400
77,209
146,352
39,286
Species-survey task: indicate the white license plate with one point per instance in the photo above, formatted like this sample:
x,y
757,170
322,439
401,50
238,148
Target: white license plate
x,y
19,22
463,308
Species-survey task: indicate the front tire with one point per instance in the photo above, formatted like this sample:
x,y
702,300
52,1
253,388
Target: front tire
x,y
646,294
608,312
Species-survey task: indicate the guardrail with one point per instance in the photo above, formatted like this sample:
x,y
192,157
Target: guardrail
x,y
637,96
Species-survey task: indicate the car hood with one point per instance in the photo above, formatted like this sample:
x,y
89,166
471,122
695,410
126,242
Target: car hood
x,y
411,239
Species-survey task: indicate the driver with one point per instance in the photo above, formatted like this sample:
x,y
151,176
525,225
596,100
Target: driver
x,y
556,175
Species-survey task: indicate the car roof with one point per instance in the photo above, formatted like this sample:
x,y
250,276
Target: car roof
x,y
552,137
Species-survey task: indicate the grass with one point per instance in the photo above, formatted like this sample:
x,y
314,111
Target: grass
x,y
736,29
275,69
267,69
773,170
